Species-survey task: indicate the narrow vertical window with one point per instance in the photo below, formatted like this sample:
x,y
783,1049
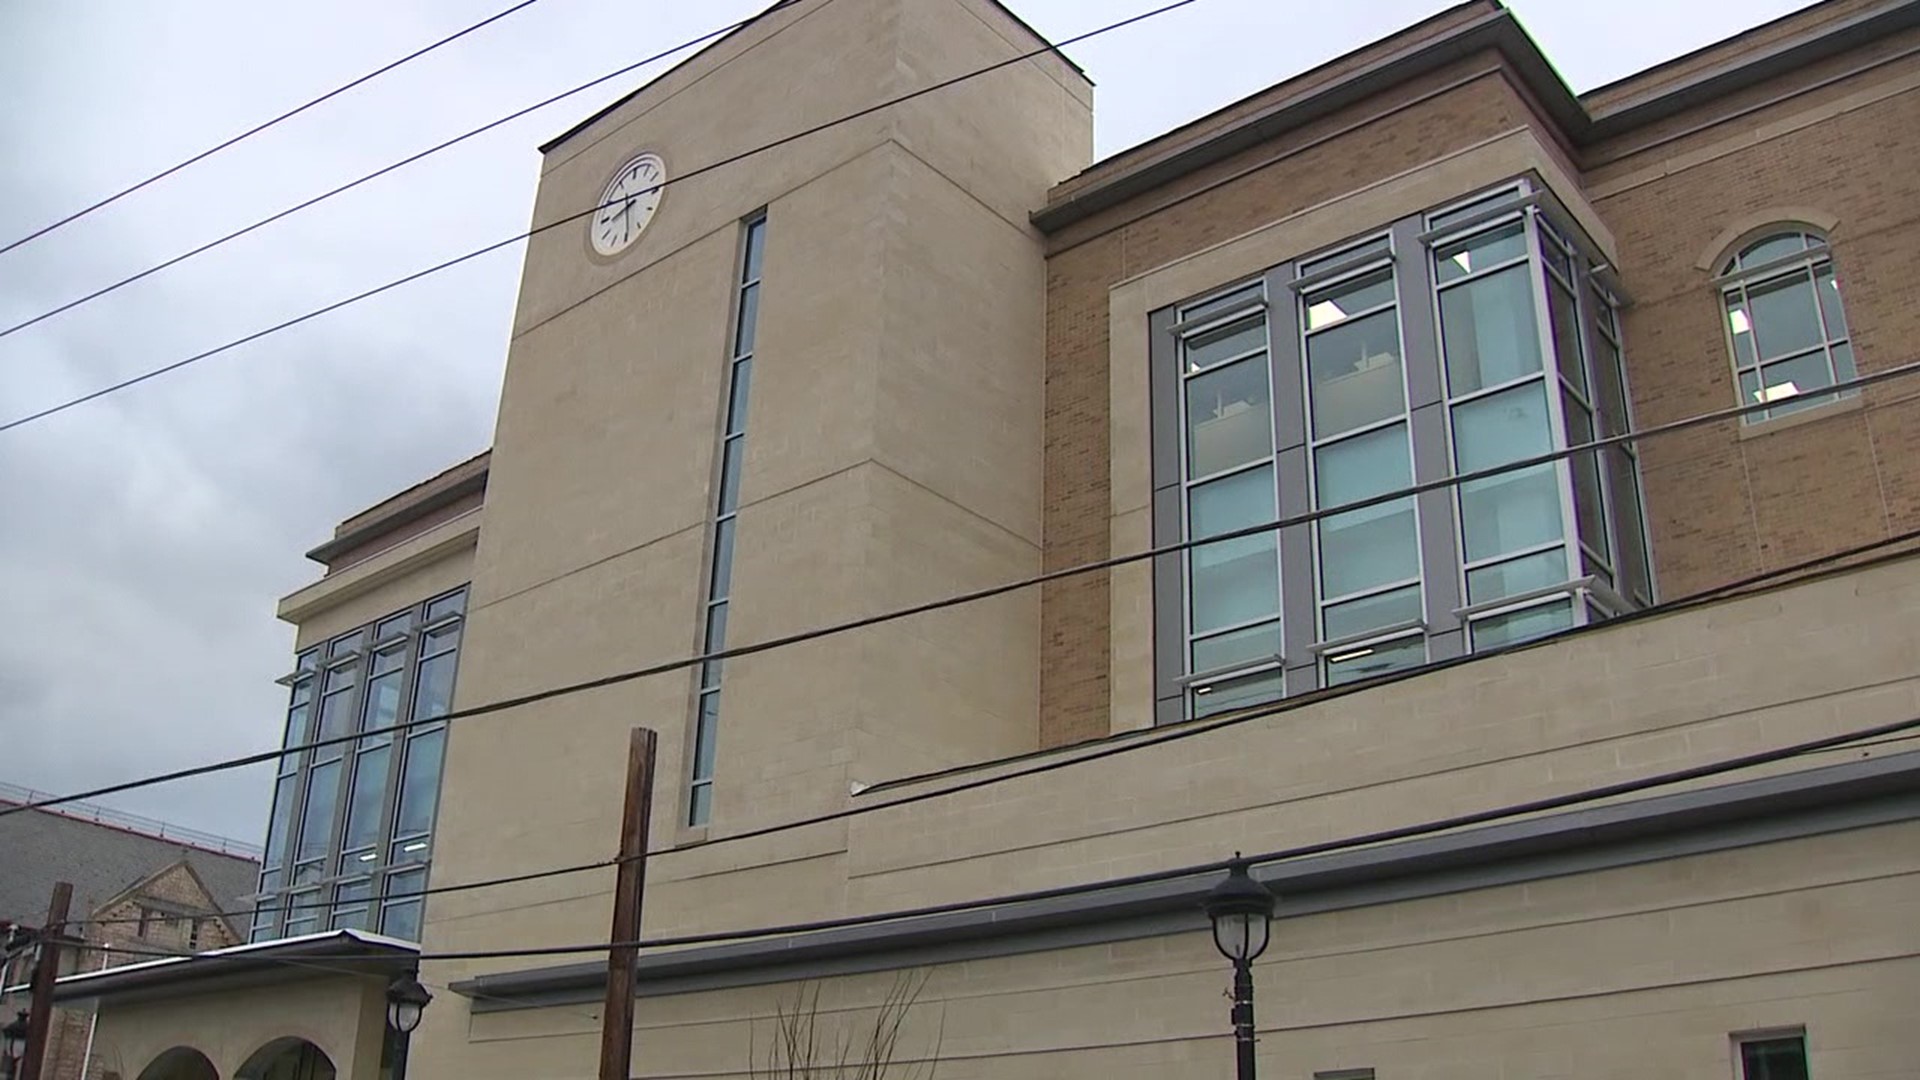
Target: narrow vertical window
x,y
732,456
1372,615
1227,470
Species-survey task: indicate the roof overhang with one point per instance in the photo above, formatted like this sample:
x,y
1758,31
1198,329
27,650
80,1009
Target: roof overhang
x,y
294,959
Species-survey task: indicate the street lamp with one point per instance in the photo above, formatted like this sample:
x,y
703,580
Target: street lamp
x,y
1242,913
406,1000
13,1045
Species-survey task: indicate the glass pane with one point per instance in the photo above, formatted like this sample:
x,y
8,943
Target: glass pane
x,y
1740,326
700,804
278,820
1226,342
1628,526
1359,616
1244,646
419,783
445,639
1830,306
383,701
307,661
271,880
1787,382
1489,331
1379,245
1610,389
1566,336
1589,509
749,315
406,852
1774,1059
402,920
737,395
364,802
1222,302
389,660
1229,417
1516,626
346,643
316,822
756,248
336,718
1355,370
710,673
433,693
1396,655
1368,548
303,912
1843,370
716,639
358,861
301,692
1515,510
1537,571
339,678
1238,580
1363,466
735,450
308,873
1347,299
1767,249
350,905
1237,693
453,604
1462,257
393,627
722,559
705,734
1556,252
1786,319
296,728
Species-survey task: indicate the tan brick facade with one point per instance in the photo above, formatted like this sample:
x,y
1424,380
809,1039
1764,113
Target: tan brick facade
x,y
1723,502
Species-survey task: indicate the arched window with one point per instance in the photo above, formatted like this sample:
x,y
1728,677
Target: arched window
x,y
1785,326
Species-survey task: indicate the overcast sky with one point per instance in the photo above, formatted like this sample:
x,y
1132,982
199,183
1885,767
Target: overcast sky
x,y
145,537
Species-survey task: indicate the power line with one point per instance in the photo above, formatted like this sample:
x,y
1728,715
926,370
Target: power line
x,y
377,173
257,129
588,212
1326,847
959,599
1186,731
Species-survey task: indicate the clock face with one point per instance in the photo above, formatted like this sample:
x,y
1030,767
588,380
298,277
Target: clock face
x,y
627,204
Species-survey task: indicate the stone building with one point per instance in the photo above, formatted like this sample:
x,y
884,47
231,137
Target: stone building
x,y
938,349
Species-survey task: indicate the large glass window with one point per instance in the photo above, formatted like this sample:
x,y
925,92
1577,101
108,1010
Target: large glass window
x,y
733,454
1780,1057
342,813
1232,617
1471,338
1786,326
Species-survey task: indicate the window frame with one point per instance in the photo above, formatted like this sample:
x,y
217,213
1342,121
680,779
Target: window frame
x,y
1734,280
1599,582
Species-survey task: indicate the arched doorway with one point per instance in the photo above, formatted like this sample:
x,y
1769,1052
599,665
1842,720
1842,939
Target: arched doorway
x,y
180,1063
287,1059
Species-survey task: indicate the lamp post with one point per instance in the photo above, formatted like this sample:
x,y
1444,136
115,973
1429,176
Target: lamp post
x,y
1242,913
13,1046
406,1000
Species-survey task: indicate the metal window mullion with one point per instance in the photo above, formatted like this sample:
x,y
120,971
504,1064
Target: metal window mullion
x,y
1512,556
1188,373
1340,273
1224,474
1475,275
1369,592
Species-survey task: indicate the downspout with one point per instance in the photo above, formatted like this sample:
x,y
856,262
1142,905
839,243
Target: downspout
x,y
93,1023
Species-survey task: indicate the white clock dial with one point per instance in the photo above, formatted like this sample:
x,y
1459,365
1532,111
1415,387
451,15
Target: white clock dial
x,y
627,204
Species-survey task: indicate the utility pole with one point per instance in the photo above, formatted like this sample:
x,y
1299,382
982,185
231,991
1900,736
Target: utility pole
x,y
40,1007
630,882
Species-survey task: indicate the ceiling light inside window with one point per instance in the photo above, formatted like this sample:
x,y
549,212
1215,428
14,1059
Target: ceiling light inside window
x,y
1322,313
1775,393
1738,317
1464,260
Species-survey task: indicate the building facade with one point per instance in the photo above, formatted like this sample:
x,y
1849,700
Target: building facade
x,y
937,349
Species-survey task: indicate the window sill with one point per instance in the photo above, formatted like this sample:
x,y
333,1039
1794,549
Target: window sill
x,y
1851,403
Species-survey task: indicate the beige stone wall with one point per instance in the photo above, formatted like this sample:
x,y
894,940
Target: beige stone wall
x,y
343,1015
432,562
1643,970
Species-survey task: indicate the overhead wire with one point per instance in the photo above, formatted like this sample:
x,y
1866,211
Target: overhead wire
x,y
497,245
384,170
1374,838
1113,746
988,592
257,129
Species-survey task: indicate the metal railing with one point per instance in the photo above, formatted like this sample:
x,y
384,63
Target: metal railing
x,y
146,826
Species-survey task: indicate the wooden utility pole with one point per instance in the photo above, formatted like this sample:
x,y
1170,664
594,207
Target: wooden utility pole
x,y
40,1007
630,882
